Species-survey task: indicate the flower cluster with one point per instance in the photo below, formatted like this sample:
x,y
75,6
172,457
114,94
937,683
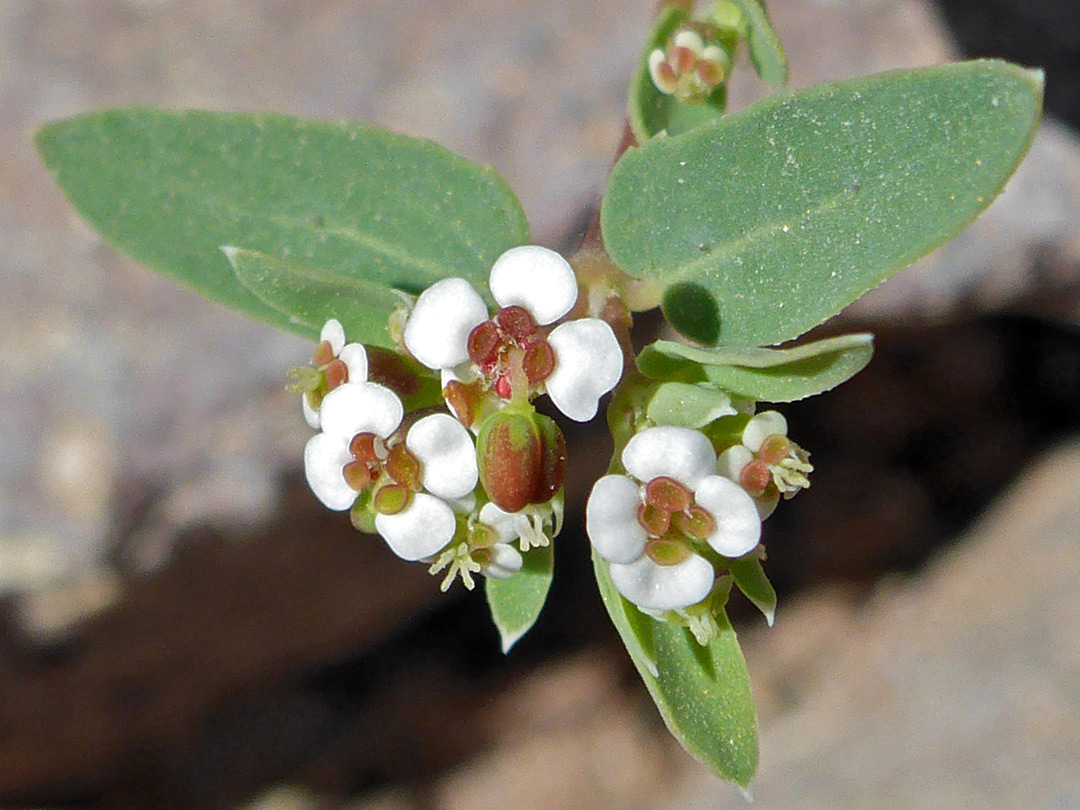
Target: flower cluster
x,y
468,490
688,68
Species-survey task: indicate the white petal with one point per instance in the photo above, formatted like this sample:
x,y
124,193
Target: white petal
x,y
588,364
361,407
762,426
664,587
505,562
333,333
311,415
437,332
677,452
324,457
691,40
446,450
738,526
536,278
419,531
507,525
354,356
731,462
611,519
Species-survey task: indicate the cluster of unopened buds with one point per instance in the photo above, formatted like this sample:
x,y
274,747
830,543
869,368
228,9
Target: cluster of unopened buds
x,y
689,68
471,487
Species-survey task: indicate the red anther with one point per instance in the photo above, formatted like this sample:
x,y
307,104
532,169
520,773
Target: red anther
x,y
362,448
667,551
667,73
337,373
696,522
392,499
483,344
654,521
404,467
755,477
668,494
682,59
539,362
516,321
324,353
358,475
774,449
503,387
711,73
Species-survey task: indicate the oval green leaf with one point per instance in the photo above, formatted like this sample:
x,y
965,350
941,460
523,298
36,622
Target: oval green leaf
x,y
169,188
516,602
688,405
766,52
703,693
767,375
750,576
791,209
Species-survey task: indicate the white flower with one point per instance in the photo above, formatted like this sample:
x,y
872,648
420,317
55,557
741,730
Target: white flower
x,y
651,524
688,69
767,464
415,481
576,363
336,363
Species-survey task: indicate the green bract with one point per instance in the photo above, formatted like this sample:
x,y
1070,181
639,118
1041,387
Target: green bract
x,y
766,52
516,602
351,201
770,375
784,213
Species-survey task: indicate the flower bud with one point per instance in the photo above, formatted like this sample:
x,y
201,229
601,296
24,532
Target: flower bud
x,y
522,459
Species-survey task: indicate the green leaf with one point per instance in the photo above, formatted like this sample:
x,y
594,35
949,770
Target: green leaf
x,y
516,601
703,693
169,188
311,297
766,52
687,405
652,112
768,375
786,212
750,577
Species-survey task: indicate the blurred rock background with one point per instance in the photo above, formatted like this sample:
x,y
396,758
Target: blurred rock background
x,y
183,627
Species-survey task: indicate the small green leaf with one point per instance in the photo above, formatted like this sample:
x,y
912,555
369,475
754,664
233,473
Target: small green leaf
x,y
652,112
169,188
787,211
750,577
311,297
688,405
703,693
766,52
516,601
768,375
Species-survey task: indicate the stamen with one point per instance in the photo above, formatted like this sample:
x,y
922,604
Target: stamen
x,y
517,322
483,344
667,551
667,494
324,353
539,362
696,522
654,521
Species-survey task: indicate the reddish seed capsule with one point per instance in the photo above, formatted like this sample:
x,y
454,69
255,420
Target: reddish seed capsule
x,y
755,477
510,457
539,362
483,344
516,321
552,459
667,494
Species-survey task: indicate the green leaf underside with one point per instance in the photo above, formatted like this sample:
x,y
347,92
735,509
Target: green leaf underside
x,y
516,601
703,694
766,52
786,212
169,188
687,405
311,297
750,577
652,112
768,375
